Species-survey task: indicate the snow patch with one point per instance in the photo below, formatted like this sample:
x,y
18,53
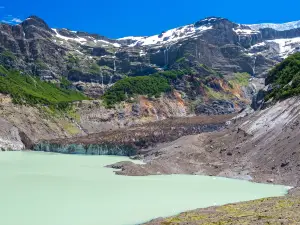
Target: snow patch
x,y
244,31
286,47
169,36
80,40
276,26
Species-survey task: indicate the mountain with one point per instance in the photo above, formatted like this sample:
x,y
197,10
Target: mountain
x,y
276,26
206,63
218,43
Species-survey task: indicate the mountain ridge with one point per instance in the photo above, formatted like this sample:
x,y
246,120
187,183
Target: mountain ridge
x,y
211,52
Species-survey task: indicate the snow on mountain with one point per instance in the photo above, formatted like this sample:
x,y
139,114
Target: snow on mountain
x,y
276,26
244,31
169,36
134,38
84,40
77,39
285,47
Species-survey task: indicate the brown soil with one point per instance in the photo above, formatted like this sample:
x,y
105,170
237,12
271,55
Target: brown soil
x,y
263,147
150,134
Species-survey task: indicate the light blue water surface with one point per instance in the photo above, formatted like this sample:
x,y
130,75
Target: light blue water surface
x,y
54,189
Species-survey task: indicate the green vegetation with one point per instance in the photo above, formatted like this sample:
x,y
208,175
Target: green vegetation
x,y
208,69
8,54
171,75
41,64
261,211
32,91
95,69
123,89
65,83
70,128
241,79
212,94
285,78
152,85
73,59
181,60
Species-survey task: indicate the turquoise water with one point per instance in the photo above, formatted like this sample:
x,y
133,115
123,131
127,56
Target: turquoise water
x,y
54,189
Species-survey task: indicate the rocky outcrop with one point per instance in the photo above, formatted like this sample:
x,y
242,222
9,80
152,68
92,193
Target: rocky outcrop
x,y
129,141
215,108
10,137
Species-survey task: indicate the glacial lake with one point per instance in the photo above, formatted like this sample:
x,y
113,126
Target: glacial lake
x,y
54,189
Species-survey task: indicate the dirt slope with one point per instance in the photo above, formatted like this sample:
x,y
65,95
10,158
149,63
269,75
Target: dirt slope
x,y
263,147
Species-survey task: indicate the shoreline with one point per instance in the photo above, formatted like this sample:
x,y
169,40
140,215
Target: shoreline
x,y
291,191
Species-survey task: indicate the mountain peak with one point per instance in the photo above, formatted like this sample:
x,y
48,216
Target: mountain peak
x,y
210,21
37,22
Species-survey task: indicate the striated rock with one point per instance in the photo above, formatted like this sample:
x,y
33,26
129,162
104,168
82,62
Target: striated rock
x,y
9,136
216,108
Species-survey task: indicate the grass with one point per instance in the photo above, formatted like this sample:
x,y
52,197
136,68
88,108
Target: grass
x,y
41,64
211,93
283,210
26,89
94,69
70,128
241,79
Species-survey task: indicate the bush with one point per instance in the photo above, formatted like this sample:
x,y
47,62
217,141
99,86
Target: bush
x,y
25,89
128,87
285,78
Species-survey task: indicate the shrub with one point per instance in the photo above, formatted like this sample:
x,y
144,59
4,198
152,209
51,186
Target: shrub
x,y
128,87
285,78
25,89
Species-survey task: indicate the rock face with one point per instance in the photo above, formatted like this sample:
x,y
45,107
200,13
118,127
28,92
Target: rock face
x,y
213,48
216,107
9,137
129,141
218,43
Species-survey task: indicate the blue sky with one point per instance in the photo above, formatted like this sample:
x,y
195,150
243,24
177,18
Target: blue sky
x,y
119,18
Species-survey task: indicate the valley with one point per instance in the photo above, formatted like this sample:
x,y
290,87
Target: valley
x,y
214,98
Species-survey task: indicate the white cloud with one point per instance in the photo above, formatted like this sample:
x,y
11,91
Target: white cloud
x,y
6,21
11,20
16,20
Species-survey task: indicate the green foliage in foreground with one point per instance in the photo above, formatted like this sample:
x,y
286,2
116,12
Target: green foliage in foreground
x,y
285,78
31,90
129,86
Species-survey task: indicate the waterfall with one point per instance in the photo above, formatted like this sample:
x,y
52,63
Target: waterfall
x,y
254,65
115,59
196,51
250,39
101,79
110,80
115,67
155,112
166,54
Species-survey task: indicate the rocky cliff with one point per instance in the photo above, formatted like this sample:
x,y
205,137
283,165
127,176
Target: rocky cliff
x,y
221,65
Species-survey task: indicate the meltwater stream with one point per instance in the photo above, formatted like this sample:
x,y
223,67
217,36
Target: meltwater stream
x,y
52,189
